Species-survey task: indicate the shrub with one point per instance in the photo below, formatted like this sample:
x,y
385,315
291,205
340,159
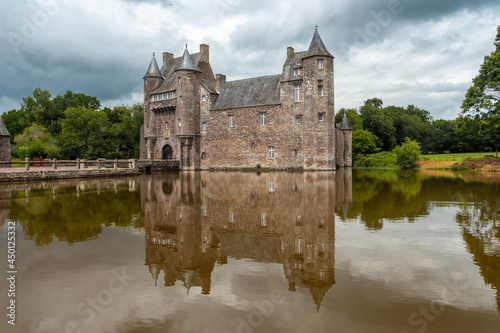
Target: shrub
x,y
408,154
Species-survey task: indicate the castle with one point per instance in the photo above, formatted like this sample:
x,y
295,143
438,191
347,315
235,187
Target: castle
x,y
283,121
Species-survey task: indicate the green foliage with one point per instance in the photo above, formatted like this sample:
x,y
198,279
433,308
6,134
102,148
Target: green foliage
x,y
482,100
15,121
384,159
408,154
353,117
378,121
363,143
442,135
84,133
110,133
35,141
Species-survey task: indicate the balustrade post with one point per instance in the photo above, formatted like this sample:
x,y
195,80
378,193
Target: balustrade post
x,y
54,164
77,164
27,165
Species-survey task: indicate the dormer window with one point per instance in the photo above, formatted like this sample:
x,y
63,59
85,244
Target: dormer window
x,y
296,71
163,96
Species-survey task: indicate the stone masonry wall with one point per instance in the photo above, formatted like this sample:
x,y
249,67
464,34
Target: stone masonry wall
x,y
246,145
5,148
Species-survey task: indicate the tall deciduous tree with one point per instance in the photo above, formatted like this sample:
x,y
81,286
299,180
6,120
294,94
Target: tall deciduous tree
x,y
483,97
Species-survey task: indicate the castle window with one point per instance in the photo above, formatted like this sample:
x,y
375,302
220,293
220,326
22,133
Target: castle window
x,y
166,125
299,220
296,71
298,120
204,98
320,87
203,126
321,116
297,92
271,187
230,120
179,122
180,98
270,151
203,155
262,119
295,152
263,220
231,217
320,64
179,80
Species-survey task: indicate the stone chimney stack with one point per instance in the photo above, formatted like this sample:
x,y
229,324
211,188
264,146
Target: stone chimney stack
x,y
204,48
289,52
220,80
166,58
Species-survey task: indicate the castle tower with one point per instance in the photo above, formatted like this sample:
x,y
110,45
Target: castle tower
x,y
307,97
152,80
319,117
188,112
346,128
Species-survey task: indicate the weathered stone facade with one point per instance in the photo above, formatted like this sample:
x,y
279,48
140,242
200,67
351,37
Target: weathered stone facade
x,y
4,143
284,121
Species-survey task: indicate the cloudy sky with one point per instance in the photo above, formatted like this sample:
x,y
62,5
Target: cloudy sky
x,y
420,52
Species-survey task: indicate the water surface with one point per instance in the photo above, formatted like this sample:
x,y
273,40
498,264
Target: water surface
x,y
344,251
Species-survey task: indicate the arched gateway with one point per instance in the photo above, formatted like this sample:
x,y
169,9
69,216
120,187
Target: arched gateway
x,y
166,152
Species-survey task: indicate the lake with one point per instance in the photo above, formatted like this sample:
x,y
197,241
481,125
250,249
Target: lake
x,y
345,251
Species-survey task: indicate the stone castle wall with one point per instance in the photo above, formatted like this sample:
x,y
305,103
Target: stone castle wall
x,y
5,148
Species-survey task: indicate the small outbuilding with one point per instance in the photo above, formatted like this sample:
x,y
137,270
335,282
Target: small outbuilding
x,y
4,142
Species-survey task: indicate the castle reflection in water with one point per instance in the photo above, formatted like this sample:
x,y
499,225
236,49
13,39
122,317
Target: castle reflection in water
x,y
195,220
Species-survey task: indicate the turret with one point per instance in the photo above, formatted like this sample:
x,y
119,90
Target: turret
x,y
319,117
188,109
152,80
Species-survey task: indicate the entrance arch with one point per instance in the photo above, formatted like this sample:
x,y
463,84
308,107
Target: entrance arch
x,y
166,152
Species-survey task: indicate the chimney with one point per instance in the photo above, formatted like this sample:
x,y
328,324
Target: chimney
x,y
166,58
220,80
289,52
204,48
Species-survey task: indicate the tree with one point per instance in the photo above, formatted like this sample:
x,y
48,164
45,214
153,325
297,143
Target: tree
x,y
353,117
442,134
363,143
15,121
483,97
408,154
378,121
35,141
84,133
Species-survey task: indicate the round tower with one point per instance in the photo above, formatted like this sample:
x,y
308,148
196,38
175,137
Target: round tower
x,y
188,111
152,81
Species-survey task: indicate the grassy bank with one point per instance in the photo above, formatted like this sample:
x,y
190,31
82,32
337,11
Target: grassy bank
x,y
384,159
455,157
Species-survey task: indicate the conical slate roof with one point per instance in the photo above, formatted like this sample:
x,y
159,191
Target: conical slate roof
x,y
317,48
345,125
3,129
187,62
153,70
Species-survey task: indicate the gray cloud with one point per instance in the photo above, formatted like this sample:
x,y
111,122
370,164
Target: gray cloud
x,y
424,53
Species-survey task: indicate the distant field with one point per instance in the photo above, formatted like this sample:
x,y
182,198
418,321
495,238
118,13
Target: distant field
x,y
455,157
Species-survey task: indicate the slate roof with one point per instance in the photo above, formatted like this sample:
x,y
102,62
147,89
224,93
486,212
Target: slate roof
x,y
317,48
187,62
3,129
345,125
168,72
257,91
153,70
